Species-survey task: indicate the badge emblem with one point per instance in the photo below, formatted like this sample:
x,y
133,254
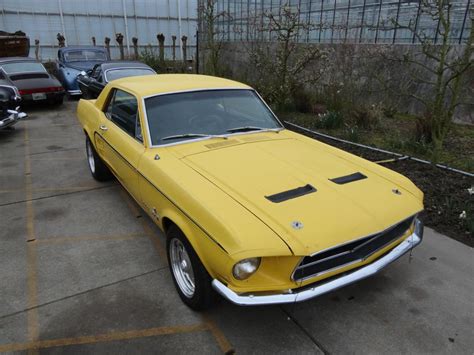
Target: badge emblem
x,y
297,225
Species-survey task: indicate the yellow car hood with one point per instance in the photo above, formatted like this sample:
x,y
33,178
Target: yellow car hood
x,y
331,215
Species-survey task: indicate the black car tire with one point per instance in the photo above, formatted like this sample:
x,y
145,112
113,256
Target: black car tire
x,y
203,296
97,167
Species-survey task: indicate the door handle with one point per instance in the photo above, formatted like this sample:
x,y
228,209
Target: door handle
x,y
103,127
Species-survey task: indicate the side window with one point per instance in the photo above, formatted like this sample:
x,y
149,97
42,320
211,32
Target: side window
x,y
122,109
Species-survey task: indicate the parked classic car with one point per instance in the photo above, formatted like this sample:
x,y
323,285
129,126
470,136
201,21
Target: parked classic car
x,y
74,60
256,212
32,80
92,83
9,106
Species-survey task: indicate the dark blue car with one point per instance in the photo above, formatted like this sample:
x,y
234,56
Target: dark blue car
x,y
73,60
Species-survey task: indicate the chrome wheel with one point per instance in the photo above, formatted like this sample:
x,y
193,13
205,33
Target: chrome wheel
x,y
182,268
90,156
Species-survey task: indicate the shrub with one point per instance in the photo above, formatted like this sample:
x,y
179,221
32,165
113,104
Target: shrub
x,y
352,133
150,57
330,120
367,117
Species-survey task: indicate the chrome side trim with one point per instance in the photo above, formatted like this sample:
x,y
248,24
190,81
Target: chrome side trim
x,y
74,92
294,296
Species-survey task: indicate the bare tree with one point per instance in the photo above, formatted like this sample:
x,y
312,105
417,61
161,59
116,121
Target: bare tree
x,y
437,71
213,39
281,64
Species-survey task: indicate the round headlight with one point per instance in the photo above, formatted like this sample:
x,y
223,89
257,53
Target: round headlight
x,y
245,268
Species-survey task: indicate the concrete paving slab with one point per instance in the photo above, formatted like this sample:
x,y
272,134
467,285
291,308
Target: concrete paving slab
x,y
426,306
68,268
12,259
11,142
12,196
12,329
142,302
261,330
47,144
12,175
92,212
188,343
67,173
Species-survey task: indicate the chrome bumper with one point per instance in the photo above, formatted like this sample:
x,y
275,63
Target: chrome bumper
x,y
320,289
11,119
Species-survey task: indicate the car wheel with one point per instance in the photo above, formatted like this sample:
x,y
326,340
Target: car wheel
x,y
98,169
189,275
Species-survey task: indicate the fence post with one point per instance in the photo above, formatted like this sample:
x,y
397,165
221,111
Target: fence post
x,y
184,39
173,38
119,39
107,45
161,46
135,46
37,48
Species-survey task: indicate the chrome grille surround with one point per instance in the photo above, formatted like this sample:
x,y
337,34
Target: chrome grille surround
x,y
349,253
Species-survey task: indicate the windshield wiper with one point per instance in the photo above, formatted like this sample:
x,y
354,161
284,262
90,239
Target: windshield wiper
x,y
246,128
192,135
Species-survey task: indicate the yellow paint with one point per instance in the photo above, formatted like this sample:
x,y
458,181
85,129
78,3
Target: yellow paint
x,y
216,193
31,251
112,336
80,238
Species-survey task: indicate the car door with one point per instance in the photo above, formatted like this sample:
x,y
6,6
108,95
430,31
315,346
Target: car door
x,y
96,84
120,138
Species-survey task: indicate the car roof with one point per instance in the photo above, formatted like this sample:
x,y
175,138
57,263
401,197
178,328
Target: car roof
x,y
123,64
17,59
167,83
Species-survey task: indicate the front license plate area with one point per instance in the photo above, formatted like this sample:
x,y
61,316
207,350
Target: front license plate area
x,y
39,96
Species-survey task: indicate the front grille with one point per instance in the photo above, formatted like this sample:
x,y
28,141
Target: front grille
x,y
349,253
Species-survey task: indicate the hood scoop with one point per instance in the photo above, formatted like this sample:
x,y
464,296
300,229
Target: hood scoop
x,y
348,178
289,194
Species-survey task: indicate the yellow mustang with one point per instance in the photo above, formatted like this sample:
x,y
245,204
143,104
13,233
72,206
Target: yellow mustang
x,y
260,214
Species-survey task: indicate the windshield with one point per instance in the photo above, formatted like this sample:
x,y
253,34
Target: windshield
x,y
84,55
125,72
177,117
23,67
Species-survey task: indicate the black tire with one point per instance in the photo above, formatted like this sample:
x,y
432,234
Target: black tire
x,y
98,169
203,296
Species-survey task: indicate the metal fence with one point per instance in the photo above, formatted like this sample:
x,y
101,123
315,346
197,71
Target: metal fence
x,y
79,21
335,21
